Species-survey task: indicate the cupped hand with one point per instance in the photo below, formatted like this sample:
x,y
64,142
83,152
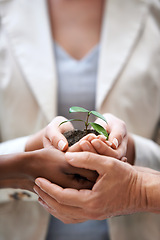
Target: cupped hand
x,y
51,135
115,146
114,193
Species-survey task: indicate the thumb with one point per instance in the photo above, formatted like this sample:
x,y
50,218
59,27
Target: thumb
x,y
56,139
54,133
86,160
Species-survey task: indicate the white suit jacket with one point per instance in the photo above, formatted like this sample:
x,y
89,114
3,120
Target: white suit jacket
x,y
128,85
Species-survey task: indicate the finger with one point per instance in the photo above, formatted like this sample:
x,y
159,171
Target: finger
x,y
122,149
117,134
124,159
75,148
116,129
83,146
55,205
89,137
103,139
87,146
65,196
67,219
102,148
54,133
87,160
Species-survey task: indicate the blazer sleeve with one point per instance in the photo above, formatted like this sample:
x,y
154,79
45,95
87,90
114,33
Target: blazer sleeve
x,y
13,146
147,153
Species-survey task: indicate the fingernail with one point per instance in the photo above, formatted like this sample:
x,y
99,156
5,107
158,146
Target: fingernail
x,y
37,182
102,137
90,138
109,143
115,142
61,145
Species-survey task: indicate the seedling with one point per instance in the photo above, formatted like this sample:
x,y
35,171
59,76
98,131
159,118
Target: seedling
x,y
96,126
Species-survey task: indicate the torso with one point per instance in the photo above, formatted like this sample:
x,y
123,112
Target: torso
x,y
76,25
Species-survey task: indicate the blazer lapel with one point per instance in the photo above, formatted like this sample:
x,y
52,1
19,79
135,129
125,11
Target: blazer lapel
x,y
122,25
27,25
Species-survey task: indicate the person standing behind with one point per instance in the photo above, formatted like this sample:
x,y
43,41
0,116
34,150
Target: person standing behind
x,y
127,81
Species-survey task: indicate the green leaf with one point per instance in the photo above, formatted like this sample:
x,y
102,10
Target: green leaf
x,y
99,115
70,120
77,109
99,129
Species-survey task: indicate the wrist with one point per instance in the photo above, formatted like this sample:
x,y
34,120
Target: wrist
x,y
31,165
10,165
151,184
140,193
35,141
16,171
146,194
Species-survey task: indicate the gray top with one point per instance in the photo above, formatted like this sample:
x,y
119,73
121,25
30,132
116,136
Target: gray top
x,y
76,82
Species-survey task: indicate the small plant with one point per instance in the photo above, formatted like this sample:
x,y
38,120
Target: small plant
x,y
96,126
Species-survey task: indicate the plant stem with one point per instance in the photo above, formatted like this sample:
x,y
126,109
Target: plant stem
x,y
86,123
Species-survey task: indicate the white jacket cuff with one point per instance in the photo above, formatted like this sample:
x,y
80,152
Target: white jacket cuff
x,y
13,146
8,194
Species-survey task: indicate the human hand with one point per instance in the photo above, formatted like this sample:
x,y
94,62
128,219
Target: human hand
x,y
51,135
115,146
117,191
50,163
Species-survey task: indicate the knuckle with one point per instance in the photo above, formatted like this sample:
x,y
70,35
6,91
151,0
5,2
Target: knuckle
x,y
123,125
119,154
111,165
60,198
47,131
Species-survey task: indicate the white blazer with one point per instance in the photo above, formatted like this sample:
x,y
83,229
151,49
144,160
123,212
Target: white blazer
x,y
128,85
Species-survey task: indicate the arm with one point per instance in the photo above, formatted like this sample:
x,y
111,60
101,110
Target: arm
x,y
120,189
48,163
19,170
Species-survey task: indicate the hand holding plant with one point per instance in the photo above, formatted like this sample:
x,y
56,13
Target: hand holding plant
x,y
115,146
113,137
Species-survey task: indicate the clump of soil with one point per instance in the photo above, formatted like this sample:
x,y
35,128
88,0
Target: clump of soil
x,y
75,135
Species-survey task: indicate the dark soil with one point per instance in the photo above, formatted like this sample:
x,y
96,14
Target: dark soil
x,y
75,135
